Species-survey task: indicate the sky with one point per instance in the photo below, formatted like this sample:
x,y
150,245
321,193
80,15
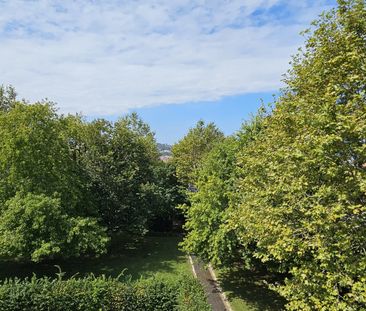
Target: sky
x,y
172,61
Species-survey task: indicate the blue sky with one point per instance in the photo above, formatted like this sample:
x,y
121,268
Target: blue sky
x,y
174,62
171,122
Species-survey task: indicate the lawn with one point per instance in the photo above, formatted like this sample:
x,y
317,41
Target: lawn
x,y
157,256
247,291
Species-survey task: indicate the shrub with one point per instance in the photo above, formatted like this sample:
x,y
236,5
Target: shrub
x,y
101,293
34,227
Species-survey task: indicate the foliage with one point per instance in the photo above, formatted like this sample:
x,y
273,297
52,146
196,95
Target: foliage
x,y
36,227
206,216
34,156
142,130
191,296
7,98
208,213
302,188
43,213
130,187
164,194
119,160
100,293
80,173
296,197
191,150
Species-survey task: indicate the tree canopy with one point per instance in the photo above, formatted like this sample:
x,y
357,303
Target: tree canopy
x,y
8,98
303,199
298,200
42,207
189,152
66,184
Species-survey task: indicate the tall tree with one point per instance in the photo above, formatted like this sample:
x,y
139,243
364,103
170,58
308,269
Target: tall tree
x,y
207,216
119,159
191,150
34,154
42,211
303,191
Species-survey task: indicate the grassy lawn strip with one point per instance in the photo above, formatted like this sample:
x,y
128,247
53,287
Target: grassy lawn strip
x,y
246,290
155,256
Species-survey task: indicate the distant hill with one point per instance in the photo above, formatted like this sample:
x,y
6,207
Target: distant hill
x,y
165,149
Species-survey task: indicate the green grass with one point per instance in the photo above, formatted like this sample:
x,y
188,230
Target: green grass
x,y
157,256
247,291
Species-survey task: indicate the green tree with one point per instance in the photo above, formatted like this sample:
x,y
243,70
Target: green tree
x,y
164,194
208,237
302,188
207,216
35,227
39,180
35,157
191,150
142,130
7,98
119,159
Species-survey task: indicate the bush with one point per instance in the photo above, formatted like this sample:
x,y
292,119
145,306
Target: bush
x,y
101,293
35,227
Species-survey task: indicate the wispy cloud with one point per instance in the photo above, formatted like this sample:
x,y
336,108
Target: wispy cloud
x,y
105,57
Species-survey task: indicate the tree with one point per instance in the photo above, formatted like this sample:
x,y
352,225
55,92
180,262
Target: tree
x,y
34,155
208,214
142,130
7,98
42,209
302,187
119,160
208,237
191,150
164,194
128,185
36,227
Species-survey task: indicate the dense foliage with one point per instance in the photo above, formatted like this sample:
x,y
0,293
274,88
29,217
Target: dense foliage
x,y
66,184
207,215
118,160
43,206
304,198
189,152
37,227
209,234
298,198
100,293
165,192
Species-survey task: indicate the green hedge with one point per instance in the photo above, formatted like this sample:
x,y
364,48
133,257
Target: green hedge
x,y
100,293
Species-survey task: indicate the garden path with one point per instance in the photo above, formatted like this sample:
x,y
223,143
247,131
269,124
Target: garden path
x,y
215,296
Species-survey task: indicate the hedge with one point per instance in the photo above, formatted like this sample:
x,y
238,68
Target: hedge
x,y
102,294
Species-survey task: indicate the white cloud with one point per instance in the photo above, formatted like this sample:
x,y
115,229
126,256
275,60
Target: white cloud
x,y
105,57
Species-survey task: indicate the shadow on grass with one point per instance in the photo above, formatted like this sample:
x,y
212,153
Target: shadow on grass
x,y
152,256
249,291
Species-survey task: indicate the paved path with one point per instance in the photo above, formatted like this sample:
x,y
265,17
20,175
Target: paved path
x,y
212,288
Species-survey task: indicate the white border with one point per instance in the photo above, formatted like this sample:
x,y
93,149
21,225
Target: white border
x,y
192,265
